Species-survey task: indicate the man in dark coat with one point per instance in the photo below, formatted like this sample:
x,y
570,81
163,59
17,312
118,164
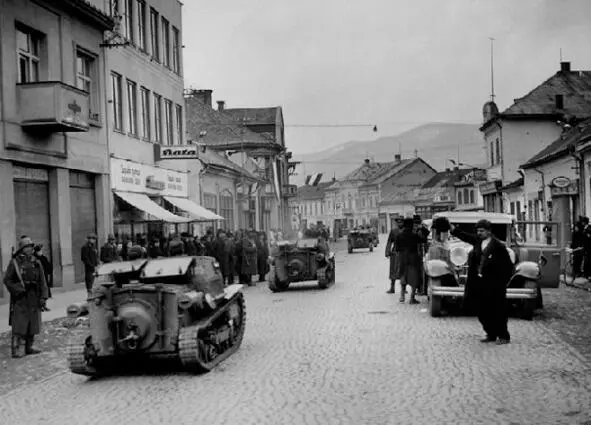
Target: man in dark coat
x,y
109,251
47,269
223,255
262,256
392,255
249,258
90,259
25,281
407,245
489,272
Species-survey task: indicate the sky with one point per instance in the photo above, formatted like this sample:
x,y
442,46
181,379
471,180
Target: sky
x,y
392,63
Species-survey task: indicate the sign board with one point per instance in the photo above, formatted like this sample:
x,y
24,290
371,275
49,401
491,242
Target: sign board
x,y
560,182
129,176
570,190
38,174
489,187
175,152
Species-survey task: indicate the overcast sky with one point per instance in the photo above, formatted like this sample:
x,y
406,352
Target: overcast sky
x,y
393,63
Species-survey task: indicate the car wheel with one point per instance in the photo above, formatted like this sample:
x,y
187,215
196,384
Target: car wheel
x,y
435,306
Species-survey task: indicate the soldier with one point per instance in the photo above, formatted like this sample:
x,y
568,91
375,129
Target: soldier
x,y
407,245
109,251
25,281
249,258
223,255
262,256
47,269
90,259
392,255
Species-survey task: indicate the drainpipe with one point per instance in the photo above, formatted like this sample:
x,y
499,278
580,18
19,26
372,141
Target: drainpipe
x,y
543,192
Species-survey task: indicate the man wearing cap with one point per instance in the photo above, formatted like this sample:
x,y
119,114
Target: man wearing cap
x,y
490,269
109,251
90,259
25,281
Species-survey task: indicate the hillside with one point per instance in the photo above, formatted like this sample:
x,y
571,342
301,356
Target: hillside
x,y
435,143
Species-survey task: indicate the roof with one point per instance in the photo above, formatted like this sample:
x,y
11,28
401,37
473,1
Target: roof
x,y
560,146
446,178
398,195
313,192
89,12
371,172
222,129
255,116
574,86
210,157
513,185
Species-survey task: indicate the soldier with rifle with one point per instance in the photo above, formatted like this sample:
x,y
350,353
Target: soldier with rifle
x,y
25,281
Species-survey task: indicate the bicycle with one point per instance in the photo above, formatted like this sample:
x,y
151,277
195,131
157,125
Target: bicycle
x,y
568,273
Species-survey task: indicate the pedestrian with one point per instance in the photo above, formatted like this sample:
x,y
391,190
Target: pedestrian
x,y
489,270
586,248
223,255
407,244
578,241
154,249
25,281
262,256
47,269
231,248
109,251
249,258
392,255
90,259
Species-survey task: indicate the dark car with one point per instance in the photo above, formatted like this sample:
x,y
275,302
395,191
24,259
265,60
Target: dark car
x,y
360,238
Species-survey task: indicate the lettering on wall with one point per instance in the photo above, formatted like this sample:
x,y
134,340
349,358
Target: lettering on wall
x,y
129,176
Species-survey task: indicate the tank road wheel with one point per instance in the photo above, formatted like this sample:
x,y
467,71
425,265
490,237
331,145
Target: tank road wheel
x,y
275,284
198,350
434,306
325,277
350,248
79,357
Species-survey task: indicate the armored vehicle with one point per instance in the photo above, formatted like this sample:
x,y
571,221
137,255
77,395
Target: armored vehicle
x,y
299,261
173,308
360,239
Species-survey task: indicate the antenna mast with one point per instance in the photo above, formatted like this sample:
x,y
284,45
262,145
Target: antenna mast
x,y
492,71
561,54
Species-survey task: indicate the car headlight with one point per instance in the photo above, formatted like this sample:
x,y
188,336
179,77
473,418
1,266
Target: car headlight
x,y
458,256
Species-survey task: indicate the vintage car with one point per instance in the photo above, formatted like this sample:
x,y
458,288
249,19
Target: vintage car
x,y
164,308
360,239
301,260
536,266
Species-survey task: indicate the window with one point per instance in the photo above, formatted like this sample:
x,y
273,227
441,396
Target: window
x,y
27,53
157,118
141,25
165,43
155,36
169,134
127,24
466,195
132,106
498,150
86,80
179,124
117,101
472,196
227,209
460,197
176,51
145,99
492,154
209,202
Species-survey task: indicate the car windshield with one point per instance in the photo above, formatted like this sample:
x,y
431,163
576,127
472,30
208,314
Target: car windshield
x,y
498,230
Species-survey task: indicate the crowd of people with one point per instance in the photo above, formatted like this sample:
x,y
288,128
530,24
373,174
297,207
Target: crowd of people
x,y
582,239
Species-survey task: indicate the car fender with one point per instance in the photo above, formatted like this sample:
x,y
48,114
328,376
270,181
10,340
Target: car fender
x,y
529,270
437,268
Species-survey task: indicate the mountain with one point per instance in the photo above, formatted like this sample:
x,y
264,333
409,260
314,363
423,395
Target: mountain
x,y
434,142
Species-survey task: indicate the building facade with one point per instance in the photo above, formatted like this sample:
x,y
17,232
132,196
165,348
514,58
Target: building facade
x,y
311,205
53,137
529,125
467,191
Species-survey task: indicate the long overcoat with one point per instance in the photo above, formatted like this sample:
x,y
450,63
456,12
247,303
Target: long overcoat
x,y
249,257
26,295
496,269
223,254
408,244
262,257
392,254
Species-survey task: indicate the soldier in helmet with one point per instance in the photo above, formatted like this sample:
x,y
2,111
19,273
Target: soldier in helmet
x,y
25,281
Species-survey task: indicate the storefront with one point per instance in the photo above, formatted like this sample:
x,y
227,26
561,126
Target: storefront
x,y
152,201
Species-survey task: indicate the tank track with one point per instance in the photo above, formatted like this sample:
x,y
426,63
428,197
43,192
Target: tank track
x,y
274,284
193,348
76,357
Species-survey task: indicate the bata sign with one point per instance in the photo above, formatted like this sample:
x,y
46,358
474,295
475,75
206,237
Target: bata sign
x,y
129,176
176,152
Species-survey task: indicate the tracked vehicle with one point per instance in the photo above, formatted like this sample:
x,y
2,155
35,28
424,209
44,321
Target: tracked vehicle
x,y
166,308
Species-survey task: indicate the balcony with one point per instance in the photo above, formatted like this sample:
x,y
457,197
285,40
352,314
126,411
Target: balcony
x,y
53,106
290,190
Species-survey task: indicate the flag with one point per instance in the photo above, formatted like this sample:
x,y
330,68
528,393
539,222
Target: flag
x,y
314,179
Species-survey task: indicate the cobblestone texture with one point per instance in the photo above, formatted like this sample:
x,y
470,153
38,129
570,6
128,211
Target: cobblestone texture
x,y
350,354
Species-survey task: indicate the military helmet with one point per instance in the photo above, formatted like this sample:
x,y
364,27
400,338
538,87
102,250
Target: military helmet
x,y
134,252
24,242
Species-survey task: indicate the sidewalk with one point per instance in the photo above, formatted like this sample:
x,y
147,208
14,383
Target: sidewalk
x,y
580,283
58,305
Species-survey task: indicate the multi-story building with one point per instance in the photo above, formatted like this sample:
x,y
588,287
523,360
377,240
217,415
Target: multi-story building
x,y
254,140
357,198
312,207
53,130
467,191
439,193
530,124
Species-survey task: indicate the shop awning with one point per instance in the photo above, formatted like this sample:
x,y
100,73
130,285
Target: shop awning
x,y
197,212
142,202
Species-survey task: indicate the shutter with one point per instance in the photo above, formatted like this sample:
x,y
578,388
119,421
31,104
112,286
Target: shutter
x,y
83,210
32,212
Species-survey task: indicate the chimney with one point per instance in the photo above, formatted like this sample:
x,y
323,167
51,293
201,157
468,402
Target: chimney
x,y
366,161
204,96
221,105
565,66
397,157
559,101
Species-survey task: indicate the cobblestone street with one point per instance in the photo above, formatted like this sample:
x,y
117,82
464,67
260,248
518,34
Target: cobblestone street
x,y
348,355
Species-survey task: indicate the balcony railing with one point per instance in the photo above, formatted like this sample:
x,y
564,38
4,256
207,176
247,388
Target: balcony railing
x,y
53,106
